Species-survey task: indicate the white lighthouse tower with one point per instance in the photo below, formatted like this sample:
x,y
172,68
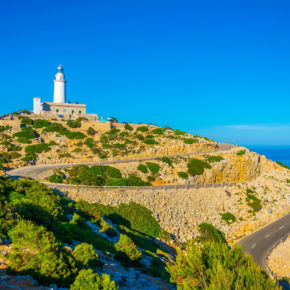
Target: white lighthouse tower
x,y
59,86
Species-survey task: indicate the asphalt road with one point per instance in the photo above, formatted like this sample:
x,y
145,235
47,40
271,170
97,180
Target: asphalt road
x,y
259,243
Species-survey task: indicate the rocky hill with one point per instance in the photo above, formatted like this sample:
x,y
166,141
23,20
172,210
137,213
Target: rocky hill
x,y
239,191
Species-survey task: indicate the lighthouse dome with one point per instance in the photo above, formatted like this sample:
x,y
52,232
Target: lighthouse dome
x,y
60,69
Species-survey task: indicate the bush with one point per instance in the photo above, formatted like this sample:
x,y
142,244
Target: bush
x,y
182,174
132,215
142,129
153,167
143,168
140,137
27,132
91,131
89,280
23,140
74,124
178,132
208,233
14,148
215,266
283,165
40,123
189,140
128,127
126,250
167,160
212,158
150,141
158,131
287,180
26,121
4,128
253,202
85,254
132,180
241,152
107,229
228,217
38,148
90,142
56,178
196,166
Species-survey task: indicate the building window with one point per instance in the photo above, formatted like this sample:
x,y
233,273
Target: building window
x,y
80,112
64,110
72,111
56,110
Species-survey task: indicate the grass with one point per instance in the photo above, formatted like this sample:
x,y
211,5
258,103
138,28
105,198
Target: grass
x,y
150,141
253,202
143,168
241,152
196,166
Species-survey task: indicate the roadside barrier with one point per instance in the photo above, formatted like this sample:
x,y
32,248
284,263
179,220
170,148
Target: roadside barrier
x,y
138,188
274,275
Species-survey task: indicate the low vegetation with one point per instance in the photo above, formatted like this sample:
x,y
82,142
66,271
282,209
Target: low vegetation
x,y
228,217
241,152
196,166
253,201
189,140
183,175
283,165
213,159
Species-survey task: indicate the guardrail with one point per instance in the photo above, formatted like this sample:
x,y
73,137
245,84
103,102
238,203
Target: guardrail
x,y
274,275
137,188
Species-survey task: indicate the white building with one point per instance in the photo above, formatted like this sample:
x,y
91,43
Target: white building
x,y
60,107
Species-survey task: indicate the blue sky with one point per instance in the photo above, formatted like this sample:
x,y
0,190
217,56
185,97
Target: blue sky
x,y
214,68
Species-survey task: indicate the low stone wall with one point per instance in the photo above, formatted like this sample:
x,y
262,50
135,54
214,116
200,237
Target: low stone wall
x,y
180,211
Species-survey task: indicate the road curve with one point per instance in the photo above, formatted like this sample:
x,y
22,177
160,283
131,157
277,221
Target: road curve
x,y
37,171
259,243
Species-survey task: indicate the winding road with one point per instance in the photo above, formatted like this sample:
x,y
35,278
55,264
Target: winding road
x,y
261,241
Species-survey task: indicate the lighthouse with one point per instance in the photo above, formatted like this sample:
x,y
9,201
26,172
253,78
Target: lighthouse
x,y
59,86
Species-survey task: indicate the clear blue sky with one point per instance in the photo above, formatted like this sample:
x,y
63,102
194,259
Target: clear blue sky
x,y
217,68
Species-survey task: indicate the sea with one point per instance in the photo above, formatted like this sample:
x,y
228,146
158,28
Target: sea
x,y
279,153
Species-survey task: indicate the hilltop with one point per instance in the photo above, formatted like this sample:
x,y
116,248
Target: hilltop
x,y
221,186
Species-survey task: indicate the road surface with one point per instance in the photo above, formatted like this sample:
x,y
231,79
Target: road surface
x,y
259,243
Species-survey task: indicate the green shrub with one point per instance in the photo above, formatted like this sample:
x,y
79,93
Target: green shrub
x,y
132,180
241,152
40,123
56,178
212,158
182,174
208,233
126,250
74,124
4,128
90,142
26,121
196,166
215,266
86,255
283,165
107,229
89,280
38,148
128,127
167,160
142,129
287,180
158,131
253,202
23,140
104,139
150,142
178,132
143,168
149,136
29,156
189,140
132,215
153,167
140,137
27,132
14,148
91,131
228,217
